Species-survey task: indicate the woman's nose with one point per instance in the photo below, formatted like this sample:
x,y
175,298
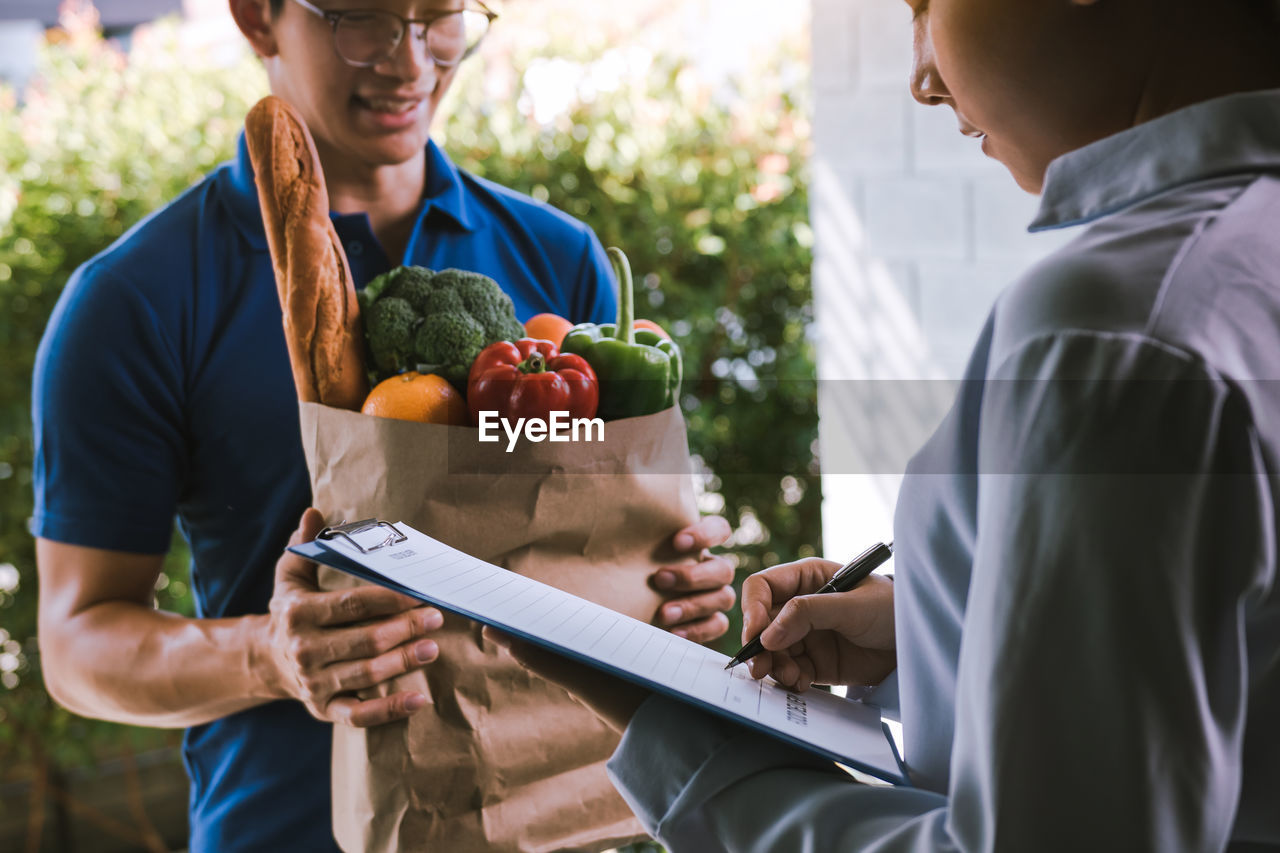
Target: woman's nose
x,y
926,83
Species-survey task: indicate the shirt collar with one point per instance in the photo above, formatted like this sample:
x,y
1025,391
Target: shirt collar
x,y
1225,136
445,193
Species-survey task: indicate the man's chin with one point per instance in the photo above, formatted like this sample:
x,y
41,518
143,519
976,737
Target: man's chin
x,y
393,151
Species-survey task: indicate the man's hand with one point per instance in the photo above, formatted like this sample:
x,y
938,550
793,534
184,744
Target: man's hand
x,y
841,638
324,646
699,587
611,699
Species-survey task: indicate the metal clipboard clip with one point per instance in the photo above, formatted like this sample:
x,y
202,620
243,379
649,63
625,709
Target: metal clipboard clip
x,y
348,531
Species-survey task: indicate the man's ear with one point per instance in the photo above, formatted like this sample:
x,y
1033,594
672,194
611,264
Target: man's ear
x,y
253,17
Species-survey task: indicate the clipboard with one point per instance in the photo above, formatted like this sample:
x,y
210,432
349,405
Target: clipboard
x,y
400,558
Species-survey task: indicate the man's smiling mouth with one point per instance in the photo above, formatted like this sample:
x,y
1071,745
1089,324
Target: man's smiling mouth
x,y
395,106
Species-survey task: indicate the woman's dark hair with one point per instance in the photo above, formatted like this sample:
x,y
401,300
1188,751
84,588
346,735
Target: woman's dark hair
x,y
1270,9
276,6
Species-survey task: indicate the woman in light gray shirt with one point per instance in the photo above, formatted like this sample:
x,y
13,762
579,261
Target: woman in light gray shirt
x,y
1084,630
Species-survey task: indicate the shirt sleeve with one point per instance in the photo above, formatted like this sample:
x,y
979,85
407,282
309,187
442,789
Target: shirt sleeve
x,y
107,419
595,297
1124,524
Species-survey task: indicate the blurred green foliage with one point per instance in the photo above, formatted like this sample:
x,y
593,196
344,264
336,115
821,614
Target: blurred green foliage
x,y
704,187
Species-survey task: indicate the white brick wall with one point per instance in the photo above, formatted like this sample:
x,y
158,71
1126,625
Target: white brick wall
x,y
916,231
18,43
912,218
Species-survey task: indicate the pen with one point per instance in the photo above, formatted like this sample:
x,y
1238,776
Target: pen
x,y
850,575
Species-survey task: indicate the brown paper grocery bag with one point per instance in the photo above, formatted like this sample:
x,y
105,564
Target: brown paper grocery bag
x,y
498,760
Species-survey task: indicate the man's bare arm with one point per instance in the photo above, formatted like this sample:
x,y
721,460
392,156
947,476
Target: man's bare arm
x,y
108,653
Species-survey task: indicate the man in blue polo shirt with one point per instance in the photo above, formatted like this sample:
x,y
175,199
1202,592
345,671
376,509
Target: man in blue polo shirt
x,y
163,387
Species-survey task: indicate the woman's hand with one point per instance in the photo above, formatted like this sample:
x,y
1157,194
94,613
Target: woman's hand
x,y
843,638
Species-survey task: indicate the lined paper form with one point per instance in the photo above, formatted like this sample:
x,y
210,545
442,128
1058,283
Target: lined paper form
x,y
843,730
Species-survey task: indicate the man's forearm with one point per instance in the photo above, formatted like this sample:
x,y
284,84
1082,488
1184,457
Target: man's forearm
x,y
128,663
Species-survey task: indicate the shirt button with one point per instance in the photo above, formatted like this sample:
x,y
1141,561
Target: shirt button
x,y
355,248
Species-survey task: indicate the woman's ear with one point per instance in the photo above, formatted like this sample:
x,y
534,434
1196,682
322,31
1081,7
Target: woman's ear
x,y
253,17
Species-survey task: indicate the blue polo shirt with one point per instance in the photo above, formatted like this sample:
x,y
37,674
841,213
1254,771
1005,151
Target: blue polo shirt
x,y
162,387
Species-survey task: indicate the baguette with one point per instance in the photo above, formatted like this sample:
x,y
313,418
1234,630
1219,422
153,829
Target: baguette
x,y
317,295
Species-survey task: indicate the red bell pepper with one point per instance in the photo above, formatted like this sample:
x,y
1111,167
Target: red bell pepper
x,y
530,379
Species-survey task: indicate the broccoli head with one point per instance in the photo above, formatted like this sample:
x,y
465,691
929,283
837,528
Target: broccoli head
x,y
415,290
379,287
486,301
448,343
443,301
414,317
390,324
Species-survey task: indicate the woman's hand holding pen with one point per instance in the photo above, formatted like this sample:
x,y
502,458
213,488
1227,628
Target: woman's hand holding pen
x,y
842,638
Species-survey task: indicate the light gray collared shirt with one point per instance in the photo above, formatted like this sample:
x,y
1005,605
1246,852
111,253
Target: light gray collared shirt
x,y
1087,604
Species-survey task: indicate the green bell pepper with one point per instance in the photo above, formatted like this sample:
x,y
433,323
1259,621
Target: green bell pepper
x,y
639,370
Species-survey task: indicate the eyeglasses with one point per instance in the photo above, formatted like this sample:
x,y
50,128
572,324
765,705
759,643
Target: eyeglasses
x,y
368,37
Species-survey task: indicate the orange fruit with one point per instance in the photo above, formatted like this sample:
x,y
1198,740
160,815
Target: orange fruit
x,y
415,396
653,327
547,327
